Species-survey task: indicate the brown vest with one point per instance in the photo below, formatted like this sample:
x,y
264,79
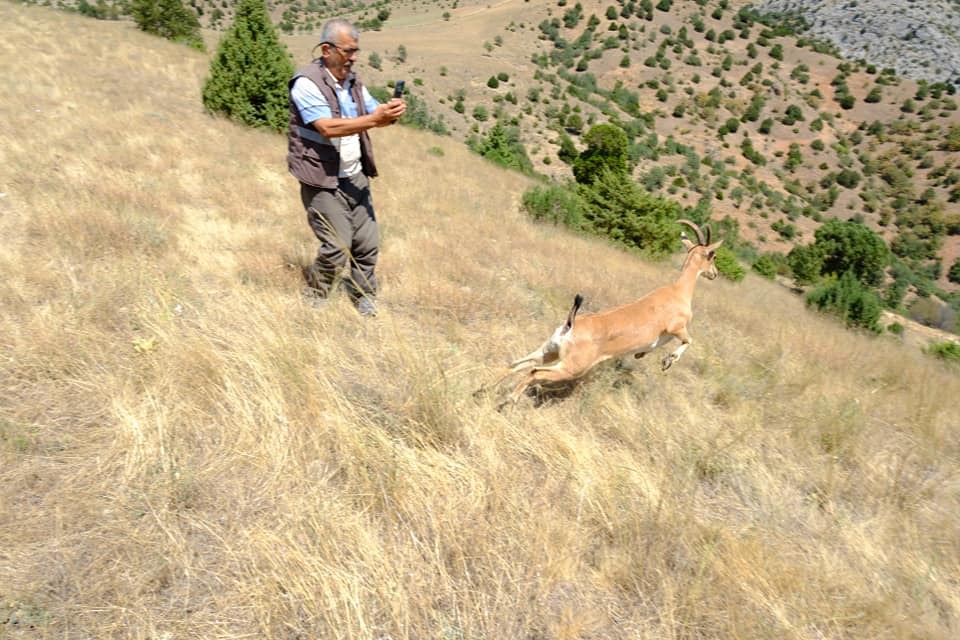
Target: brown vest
x,y
311,158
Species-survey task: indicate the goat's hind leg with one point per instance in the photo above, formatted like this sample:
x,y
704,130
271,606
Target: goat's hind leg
x,y
537,357
557,372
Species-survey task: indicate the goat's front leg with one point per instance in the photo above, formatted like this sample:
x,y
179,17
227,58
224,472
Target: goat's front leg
x,y
672,357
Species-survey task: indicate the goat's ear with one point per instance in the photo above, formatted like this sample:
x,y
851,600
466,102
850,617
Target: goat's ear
x,y
686,241
713,247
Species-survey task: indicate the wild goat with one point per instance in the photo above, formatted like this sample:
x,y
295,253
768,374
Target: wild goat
x,y
635,328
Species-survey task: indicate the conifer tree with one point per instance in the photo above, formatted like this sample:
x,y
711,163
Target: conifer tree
x,y
249,74
168,19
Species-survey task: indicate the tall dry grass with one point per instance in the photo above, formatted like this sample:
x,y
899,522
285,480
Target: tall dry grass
x,y
187,451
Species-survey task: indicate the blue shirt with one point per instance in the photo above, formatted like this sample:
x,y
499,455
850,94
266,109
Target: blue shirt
x,y
314,106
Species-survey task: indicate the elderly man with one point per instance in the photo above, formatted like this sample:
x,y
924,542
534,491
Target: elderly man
x,y
330,153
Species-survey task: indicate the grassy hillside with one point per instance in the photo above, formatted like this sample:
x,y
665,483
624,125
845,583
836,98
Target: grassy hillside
x,y
188,451
756,121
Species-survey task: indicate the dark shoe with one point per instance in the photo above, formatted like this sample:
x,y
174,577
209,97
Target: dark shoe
x,y
312,297
366,306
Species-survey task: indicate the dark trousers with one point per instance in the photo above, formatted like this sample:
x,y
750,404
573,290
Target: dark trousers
x,y
345,224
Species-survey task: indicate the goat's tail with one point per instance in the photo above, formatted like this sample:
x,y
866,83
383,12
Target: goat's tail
x,y
577,301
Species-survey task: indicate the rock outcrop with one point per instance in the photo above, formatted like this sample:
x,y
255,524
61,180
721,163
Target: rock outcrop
x,y
919,39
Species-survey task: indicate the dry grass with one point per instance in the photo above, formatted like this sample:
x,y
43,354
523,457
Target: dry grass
x,y
187,451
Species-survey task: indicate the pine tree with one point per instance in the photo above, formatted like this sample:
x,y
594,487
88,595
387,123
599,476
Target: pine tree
x,y
168,19
249,74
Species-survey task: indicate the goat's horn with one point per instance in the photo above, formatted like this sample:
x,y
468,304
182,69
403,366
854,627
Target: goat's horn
x,y
695,228
709,233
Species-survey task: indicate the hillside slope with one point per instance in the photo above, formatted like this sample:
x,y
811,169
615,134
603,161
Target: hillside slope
x,y
188,451
725,109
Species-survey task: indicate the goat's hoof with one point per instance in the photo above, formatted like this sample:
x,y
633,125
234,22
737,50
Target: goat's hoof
x,y
665,364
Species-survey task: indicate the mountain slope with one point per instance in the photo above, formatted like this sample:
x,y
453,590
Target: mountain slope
x,y
721,109
725,109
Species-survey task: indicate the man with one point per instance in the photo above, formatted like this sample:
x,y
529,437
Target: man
x,y
330,153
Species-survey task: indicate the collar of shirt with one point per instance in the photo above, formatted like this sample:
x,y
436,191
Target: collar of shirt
x,y
346,81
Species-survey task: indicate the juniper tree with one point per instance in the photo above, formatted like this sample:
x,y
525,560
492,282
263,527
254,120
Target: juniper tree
x,y
249,74
168,19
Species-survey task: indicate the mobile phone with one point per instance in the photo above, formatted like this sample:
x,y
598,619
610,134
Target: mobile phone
x,y
398,89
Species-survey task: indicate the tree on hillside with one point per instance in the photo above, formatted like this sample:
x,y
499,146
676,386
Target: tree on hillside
x,y
168,19
847,298
805,264
850,246
607,147
618,208
502,145
249,74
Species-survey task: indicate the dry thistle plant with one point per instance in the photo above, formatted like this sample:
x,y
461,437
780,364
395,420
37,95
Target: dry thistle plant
x,y
187,451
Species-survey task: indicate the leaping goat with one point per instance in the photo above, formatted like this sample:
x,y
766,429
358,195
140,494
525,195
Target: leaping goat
x,y
635,328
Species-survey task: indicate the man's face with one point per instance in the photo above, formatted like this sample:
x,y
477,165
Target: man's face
x,y
340,55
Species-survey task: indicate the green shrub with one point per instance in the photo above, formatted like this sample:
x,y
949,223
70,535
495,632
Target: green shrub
x,y
502,145
949,351
849,300
805,264
168,19
556,204
848,178
619,209
728,266
765,266
100,11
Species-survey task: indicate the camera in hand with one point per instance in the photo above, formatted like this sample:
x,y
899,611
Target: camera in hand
x,y
398,89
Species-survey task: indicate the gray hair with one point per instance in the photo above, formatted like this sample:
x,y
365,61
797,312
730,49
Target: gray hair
x,y
335,27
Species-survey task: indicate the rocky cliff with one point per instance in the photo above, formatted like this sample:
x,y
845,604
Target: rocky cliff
x,y
920,39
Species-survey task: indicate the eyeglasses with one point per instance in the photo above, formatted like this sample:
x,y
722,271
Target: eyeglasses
x,y
347,53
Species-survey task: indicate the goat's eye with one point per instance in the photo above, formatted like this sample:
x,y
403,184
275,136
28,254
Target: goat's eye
x,y
711,254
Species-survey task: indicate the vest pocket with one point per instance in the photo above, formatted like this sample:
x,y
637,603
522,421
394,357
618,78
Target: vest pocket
x,y
324,157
